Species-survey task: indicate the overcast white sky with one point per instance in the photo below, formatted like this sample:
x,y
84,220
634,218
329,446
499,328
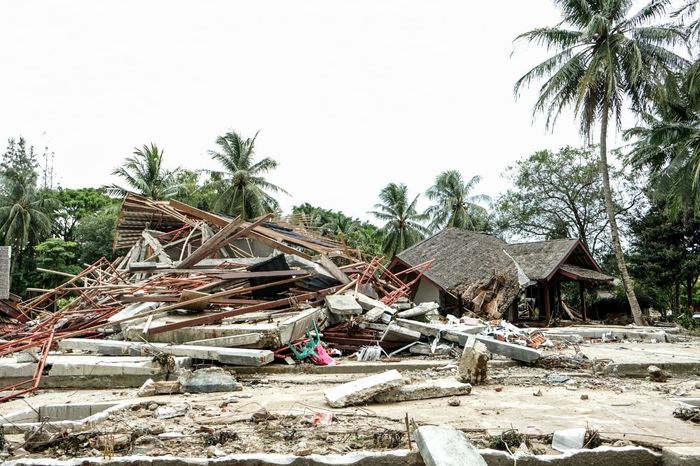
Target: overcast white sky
x,y
347,96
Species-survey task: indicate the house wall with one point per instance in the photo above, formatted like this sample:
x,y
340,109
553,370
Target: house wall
x,y
426,292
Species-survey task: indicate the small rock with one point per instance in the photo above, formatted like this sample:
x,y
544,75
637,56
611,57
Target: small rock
x,y
622,443
697,385
303,452
537,393
657,374
454,402
145,444
584,397
171,411
20,453
498,389
214,451
152,406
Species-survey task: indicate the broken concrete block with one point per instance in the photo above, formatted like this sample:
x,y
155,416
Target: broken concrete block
x,y
446,446
421,309
568,439
422,391
656,374
361,390
510,350
171,411
163,387
365,302
396,333
427,350
374,314
473,362
344,305
208,380
231,341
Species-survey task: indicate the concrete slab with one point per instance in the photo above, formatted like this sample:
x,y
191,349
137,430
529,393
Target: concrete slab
x,y
685,455
446,446
361,390
233,341
510,350
373,314
343,305
421,309
232,356
439,388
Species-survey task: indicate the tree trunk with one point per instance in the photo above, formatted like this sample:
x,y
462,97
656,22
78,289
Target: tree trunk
x,y
614,232
689,295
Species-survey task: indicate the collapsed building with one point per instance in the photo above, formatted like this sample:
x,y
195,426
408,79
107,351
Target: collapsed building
x,y
481,274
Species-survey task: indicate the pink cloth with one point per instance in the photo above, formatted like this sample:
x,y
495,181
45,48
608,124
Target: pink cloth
x,y
323,358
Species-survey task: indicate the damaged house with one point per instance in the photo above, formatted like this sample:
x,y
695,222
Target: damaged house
x,y
481,274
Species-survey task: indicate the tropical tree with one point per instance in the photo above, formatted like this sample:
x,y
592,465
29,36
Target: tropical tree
x,y
557,195
243,190
144,174
668,142
604,56
403,225
24,214
453,203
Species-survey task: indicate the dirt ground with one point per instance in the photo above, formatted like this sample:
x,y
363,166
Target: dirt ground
x,y
275,414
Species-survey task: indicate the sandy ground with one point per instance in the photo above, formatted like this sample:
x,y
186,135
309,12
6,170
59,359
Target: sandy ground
x,y
534,401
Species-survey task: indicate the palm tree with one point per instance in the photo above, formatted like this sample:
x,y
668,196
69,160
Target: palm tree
x,y
454,206
603,57
243,189
669,143
402,227
24,218
145,175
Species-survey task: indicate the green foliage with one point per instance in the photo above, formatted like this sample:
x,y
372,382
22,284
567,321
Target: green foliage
x,y
454,205
144,174
95,235
243,189
403,225
59,255
336,225
73,206
197,189
557,195
668,141
24,214
666,256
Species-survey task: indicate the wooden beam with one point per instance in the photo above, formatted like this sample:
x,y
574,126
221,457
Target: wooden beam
x,y
277,245
200,214
211,245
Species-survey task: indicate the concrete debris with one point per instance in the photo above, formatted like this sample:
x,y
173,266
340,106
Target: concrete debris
x,y
473,362
374,314
420,310
171,411
362,390
656,374
207,380
439,388
163,387
454,402
568,439
343,305
446,446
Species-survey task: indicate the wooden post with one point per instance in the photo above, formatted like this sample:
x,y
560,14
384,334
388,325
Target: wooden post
x,y
582,298
547,303
559,306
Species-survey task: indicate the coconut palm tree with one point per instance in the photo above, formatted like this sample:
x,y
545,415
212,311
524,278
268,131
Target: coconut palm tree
x,y
144,174
668,142
243,189
24,214
454,205
604,56
403,224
